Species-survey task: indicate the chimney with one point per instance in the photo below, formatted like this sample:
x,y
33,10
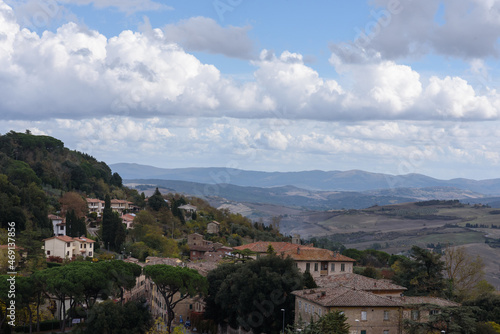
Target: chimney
x,y
298,250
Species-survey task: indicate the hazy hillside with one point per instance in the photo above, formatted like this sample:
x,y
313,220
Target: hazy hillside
x,y
354,180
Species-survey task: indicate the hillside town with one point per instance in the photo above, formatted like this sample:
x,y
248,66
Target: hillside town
x,y
370,306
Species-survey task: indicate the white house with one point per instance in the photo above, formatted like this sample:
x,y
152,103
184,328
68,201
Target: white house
x,y
68,247
58,225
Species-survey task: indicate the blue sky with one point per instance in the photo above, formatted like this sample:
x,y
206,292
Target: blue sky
x,y
389,86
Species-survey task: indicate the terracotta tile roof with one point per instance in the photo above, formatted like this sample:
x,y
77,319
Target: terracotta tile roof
x,y
94,200
54,217
64,238
426,300
83,239
202,267
346,297
7,247
128,216
357,281
118,201
261,246
201,248
297,252
150,260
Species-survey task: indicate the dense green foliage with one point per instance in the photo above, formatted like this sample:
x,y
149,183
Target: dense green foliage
x,y
113,230
449,319
421,273
110,318
172,280
36,170
75,227
252,294
78,283
332,322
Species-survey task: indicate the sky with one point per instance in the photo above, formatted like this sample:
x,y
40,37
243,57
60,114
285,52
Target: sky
x,y
385,86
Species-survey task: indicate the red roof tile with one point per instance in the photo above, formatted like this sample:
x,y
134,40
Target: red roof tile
x,y
357,281
297,252
426,300
345,297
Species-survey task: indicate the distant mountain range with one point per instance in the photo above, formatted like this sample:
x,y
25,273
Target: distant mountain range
x,y
353,180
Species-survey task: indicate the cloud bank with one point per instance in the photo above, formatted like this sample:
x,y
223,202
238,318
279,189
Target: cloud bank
x,y
79,73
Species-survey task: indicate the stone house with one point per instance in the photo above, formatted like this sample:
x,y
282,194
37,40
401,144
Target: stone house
x,y
319,262
213,227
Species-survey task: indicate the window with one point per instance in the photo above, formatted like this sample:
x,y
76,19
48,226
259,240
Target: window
x,y
81,246
363,331
48,252
433,312
342,267
363,315
333,267
85,246
90,245
62,228
386,315
67,253
319,312
67,244
415,315
315,267
190,306
90,253
308,267
300,304
313,310
386,331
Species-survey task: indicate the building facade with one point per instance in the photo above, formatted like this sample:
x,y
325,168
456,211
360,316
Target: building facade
x,y
68,247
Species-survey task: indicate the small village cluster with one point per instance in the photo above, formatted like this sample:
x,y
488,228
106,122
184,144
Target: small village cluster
x,y
371,306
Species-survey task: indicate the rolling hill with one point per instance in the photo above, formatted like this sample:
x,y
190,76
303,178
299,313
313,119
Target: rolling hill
x,y
353,180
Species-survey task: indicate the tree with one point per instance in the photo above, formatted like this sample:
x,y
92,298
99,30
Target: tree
x,y
122,275
464,271
116,180
421,274
113,230
73,201
451,319
75,227
309,282
110,318
62,283
253,295
176,284
156,201
333,322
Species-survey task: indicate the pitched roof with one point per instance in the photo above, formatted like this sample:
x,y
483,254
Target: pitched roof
x,y
93,200
261,246
65,238
54,217
118,201
344,297
187,207
357,281
83,239
426,300
296,252
128,216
